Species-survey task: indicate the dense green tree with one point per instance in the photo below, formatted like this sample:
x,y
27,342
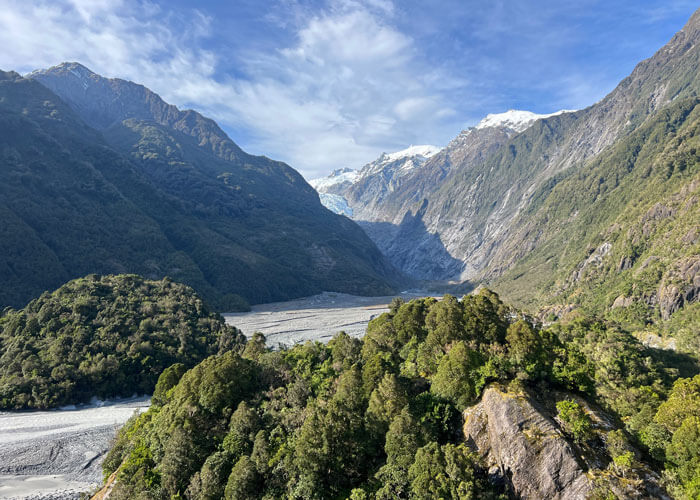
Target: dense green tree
x,y
345,351
353,419
402,441
485,316
244,482
574,419
682,402
458,378
385,403
167,380
525,347
442,472
254,347
243,427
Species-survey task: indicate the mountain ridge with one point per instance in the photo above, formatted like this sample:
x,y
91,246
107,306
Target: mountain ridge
x,y
187,202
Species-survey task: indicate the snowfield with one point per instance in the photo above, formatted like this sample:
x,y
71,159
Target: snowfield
x,y
56,454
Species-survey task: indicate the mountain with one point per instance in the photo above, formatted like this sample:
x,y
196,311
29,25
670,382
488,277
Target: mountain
x,y
336,182
475,208
620,235
539,207
390,200
102,176
371,183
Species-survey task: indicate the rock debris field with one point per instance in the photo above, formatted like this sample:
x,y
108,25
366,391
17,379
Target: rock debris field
x,y
312,318
56,454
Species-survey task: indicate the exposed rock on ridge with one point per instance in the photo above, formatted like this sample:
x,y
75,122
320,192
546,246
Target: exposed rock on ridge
x,y
526,447
522,445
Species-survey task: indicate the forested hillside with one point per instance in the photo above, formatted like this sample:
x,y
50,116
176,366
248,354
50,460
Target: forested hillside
x,y
104,336
157,199
381,417
620,236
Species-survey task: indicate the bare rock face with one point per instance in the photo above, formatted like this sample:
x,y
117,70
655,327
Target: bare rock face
x,y
680,286
521,444
513,435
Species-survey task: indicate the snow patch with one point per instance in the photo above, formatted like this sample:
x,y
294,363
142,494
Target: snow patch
x,y
336,178
515,119
399,163
425,151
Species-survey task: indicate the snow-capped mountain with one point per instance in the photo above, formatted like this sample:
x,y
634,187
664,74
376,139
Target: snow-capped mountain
x,y
336,182
382,175
399,163
387,196
517,120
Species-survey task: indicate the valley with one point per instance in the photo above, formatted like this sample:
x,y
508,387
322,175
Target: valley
x,y
316,318
286,328
58,453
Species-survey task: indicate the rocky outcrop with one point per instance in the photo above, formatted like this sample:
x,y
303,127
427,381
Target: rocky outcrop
x,y
680,287
518,437
525,447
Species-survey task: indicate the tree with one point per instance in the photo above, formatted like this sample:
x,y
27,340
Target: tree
x,y
255,347
261,452
457,378
442,472
683,453
409,320
525,347
574,419
385,403
243,426
485,317
682,402
167,380
212,478
402,441
311,461
345,436
345,351
243,483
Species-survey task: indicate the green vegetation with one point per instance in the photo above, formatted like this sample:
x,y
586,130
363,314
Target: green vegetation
x,y
150,199
379,418
618,237
575,420
106,336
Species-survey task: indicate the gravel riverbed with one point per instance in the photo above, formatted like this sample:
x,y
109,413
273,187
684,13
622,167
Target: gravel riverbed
x,y
318,317
56,454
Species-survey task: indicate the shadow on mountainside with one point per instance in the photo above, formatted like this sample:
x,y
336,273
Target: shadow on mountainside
x,y
412,249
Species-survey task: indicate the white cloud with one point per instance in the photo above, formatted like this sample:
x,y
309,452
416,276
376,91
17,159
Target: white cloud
x,y
347,88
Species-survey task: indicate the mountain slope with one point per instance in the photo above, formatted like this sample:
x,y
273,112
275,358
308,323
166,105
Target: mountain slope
x,y
619,236
176,198
470,206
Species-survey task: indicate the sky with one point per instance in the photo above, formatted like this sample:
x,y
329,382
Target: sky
x,y
325,84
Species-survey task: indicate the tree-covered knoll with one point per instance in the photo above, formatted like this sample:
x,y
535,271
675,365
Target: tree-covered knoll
x,y
380,418
104,336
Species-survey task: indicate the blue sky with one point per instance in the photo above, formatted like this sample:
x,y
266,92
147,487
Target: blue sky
x,y
325,84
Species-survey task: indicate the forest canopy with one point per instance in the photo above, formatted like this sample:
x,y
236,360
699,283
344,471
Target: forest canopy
x,y
104,336
380,418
